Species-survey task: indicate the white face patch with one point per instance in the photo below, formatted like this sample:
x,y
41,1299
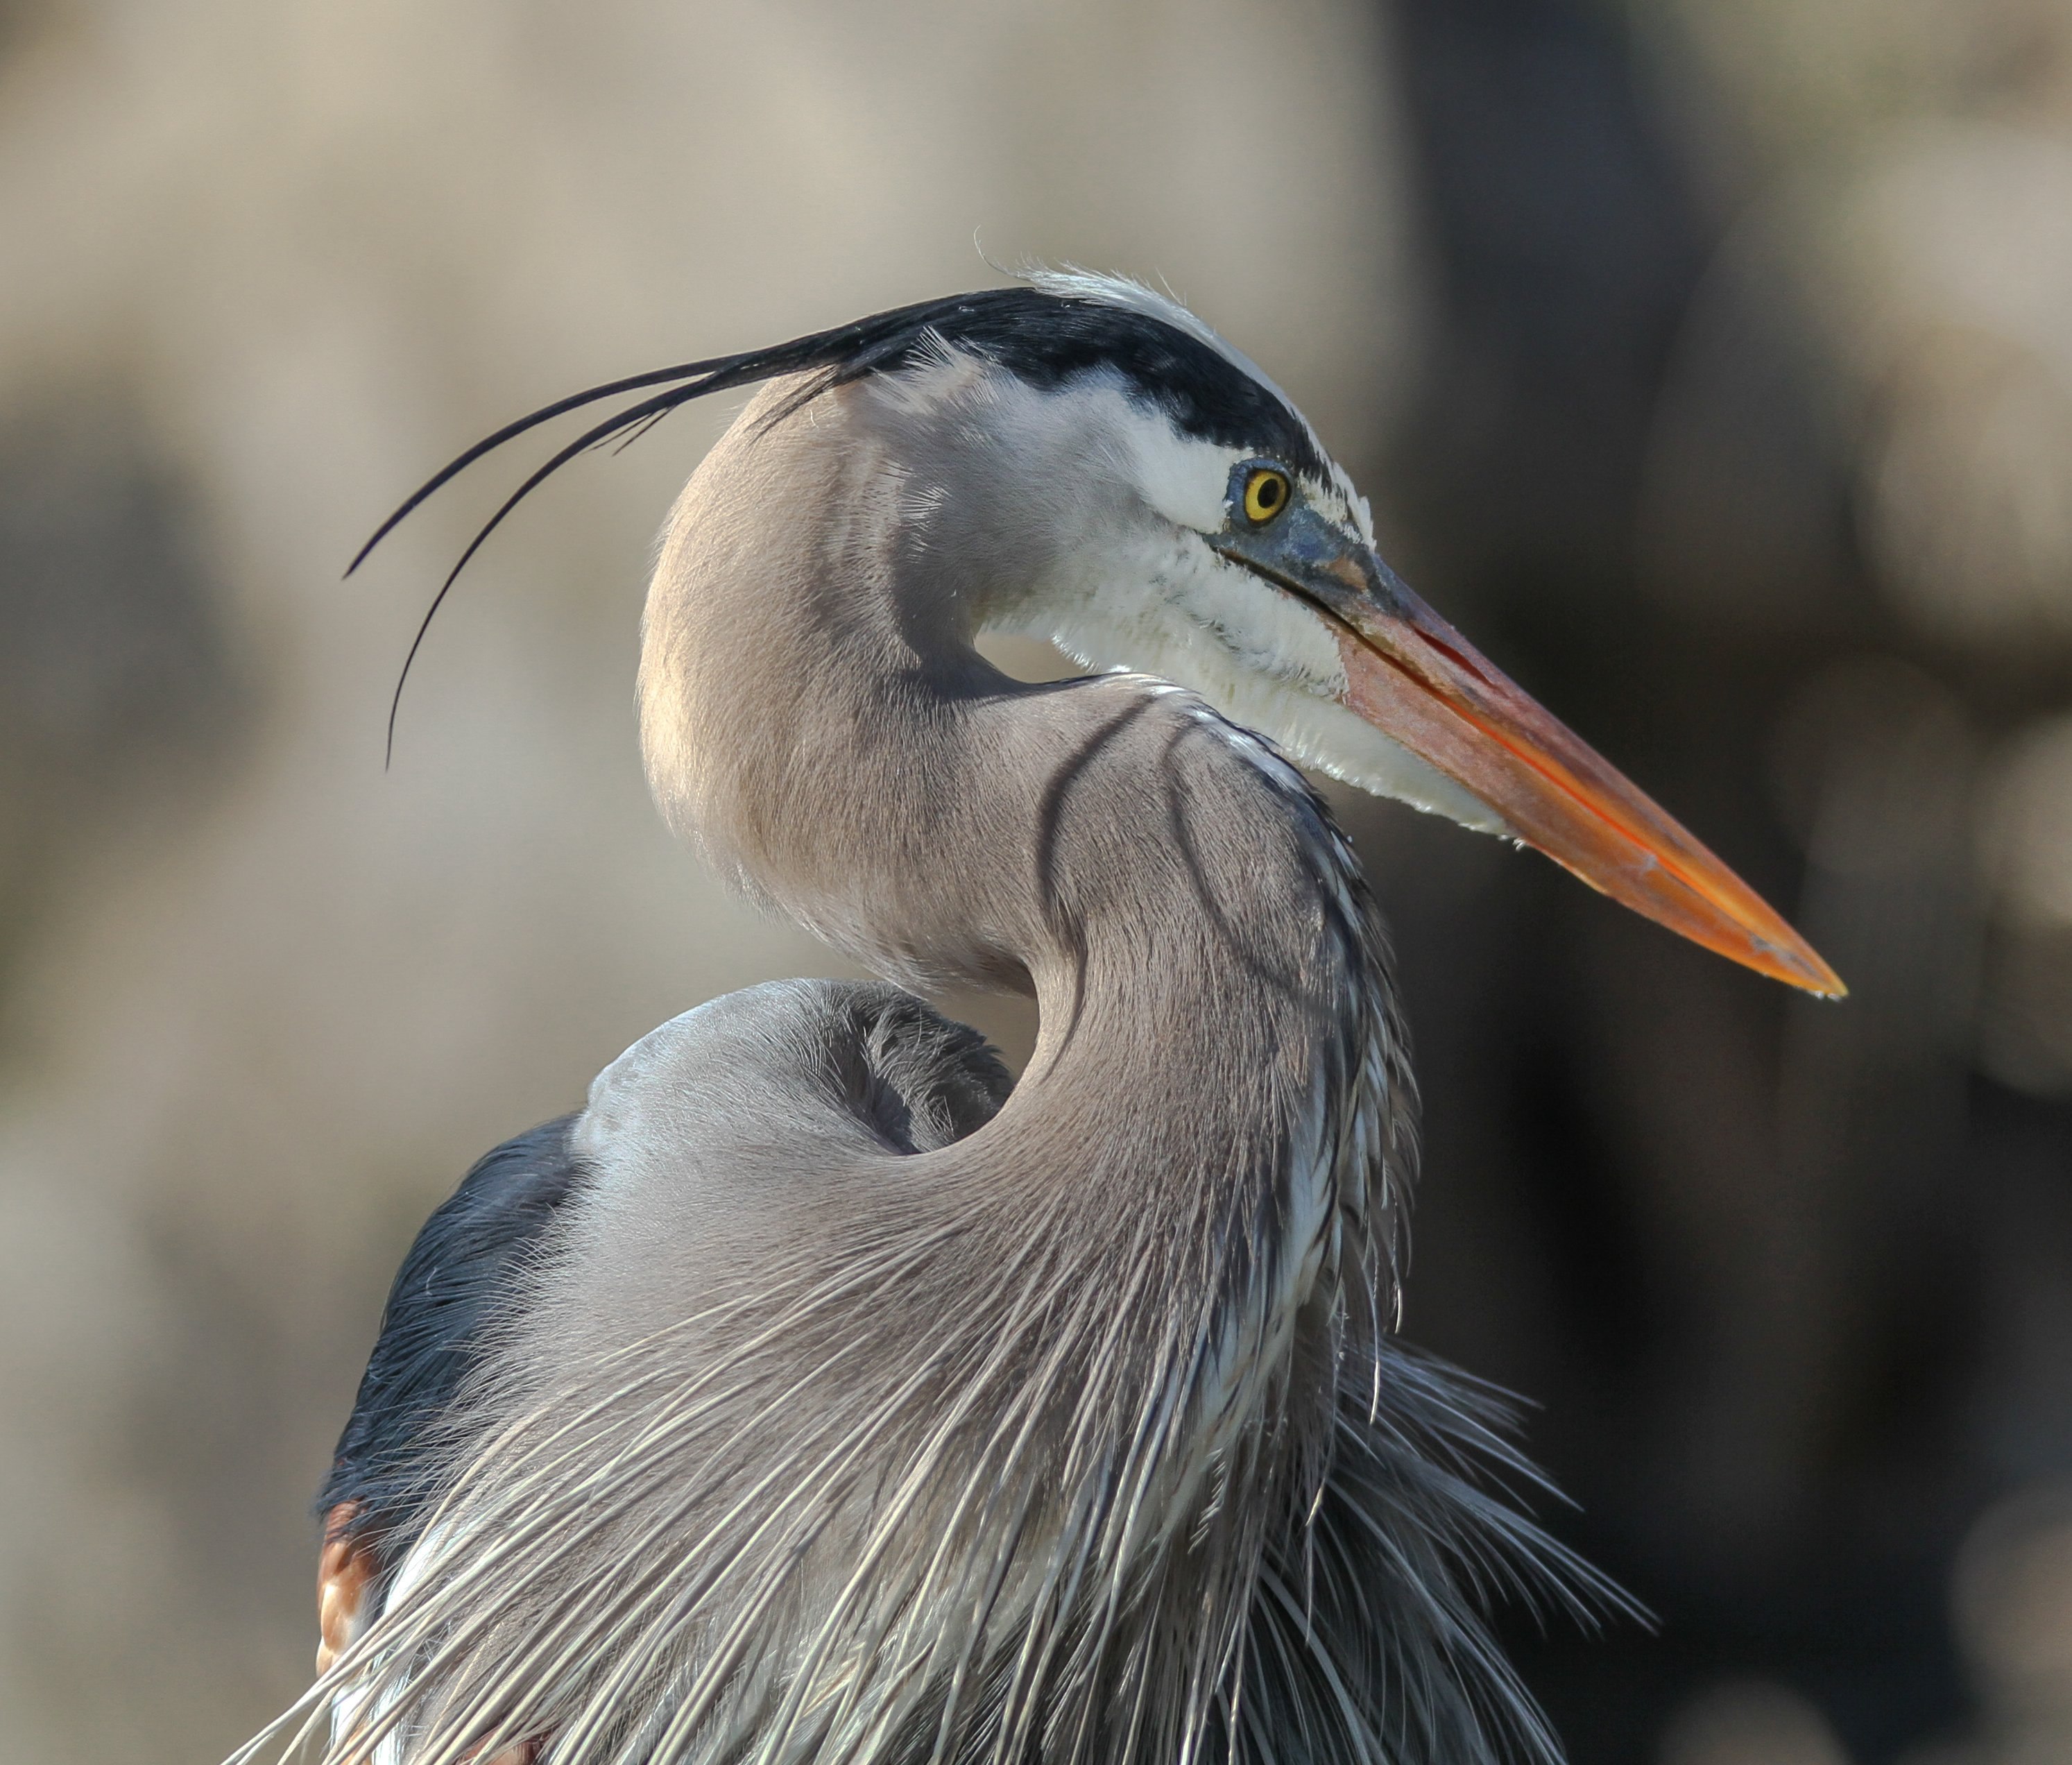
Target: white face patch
x,y
1185,481
1136,586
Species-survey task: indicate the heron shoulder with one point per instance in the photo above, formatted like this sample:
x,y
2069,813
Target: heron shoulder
x,y
454,1286
758,1132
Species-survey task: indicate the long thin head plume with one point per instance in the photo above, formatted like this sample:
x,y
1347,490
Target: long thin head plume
x,y
1058,324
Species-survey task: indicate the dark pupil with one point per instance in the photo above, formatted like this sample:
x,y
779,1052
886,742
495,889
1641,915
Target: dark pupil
x,y
1269,492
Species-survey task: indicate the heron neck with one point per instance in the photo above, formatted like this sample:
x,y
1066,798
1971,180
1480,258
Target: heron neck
x,y
1216,1067
1216,1039
1217,1057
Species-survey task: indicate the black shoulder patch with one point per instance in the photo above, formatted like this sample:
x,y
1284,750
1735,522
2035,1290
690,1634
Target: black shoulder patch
x,y
452,1284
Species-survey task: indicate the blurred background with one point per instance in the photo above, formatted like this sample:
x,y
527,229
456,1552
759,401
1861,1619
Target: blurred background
x,y
1711,364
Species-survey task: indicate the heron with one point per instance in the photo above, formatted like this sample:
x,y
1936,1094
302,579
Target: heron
x,y
818,1392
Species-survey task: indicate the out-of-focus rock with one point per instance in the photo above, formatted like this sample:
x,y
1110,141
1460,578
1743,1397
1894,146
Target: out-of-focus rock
x,y
1914,160
2013,1596
1749,1722
2012,1600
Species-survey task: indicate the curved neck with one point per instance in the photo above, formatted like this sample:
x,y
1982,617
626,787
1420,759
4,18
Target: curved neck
x,y
1217,1051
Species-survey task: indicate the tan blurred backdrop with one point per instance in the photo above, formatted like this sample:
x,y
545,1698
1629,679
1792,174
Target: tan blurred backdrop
x,y
1712,363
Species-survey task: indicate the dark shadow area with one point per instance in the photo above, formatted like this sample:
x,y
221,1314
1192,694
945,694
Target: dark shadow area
x,y
1753,1254
116,678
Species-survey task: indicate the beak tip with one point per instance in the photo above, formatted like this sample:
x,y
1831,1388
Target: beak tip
x,y
1416,679
1802,967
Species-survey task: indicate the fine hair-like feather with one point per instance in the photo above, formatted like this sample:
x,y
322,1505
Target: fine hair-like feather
x,y
1071,1519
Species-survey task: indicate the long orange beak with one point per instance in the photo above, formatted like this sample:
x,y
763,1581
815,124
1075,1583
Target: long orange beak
x,y
1416,679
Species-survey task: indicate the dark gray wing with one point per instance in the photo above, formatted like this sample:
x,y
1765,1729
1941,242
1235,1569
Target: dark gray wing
x,y
458,1277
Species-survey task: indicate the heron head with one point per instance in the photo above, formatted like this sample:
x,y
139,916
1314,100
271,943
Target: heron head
x,y
1125,484
1082,459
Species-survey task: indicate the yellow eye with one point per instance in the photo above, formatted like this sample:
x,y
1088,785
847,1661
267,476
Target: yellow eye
x,y
1265,495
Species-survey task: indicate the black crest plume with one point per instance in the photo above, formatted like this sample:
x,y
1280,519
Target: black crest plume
x,y
1044,338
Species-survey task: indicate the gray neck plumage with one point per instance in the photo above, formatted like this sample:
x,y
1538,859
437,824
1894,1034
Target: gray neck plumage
x,y
1218,1065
